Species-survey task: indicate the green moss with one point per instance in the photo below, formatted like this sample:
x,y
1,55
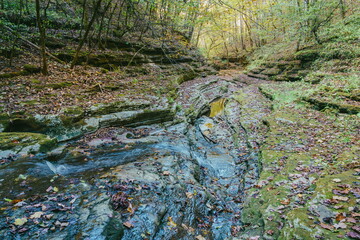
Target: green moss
x,y
29,102
31,68
60,85
35,81
340,50
19,140
119,106
185,77
307,55
12,74
325,103
299,227
71,115
271,71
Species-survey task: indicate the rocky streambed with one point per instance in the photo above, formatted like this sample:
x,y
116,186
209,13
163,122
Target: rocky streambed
x,y
181,179
232,157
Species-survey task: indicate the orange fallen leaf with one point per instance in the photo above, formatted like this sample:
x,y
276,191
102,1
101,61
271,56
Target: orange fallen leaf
x,y
340,217
285,202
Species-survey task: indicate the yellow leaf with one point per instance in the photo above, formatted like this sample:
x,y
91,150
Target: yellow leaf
x,y
56,189
199,237
20,221
171,223
36,215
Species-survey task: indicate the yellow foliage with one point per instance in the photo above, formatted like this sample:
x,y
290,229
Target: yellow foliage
x,y
217,107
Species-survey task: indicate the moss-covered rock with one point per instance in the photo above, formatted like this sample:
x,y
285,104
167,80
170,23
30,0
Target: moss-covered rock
x,y
54,43
24,143
32,68
12,74
114,107
303,161
307,55
342,106
71,115
185,77
60,85
23,122
271,71
28,69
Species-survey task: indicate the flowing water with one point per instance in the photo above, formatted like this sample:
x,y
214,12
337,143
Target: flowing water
x,y
188,181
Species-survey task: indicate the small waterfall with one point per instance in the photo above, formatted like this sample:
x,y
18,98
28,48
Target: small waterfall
x,y
59,170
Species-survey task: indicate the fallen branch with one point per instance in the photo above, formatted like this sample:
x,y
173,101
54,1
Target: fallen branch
x,y
32,44
135,55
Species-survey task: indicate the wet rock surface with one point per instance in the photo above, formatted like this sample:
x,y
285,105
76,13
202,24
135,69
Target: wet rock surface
x,y
161,182
261,167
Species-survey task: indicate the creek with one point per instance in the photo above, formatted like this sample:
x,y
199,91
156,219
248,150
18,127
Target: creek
x,y
170,182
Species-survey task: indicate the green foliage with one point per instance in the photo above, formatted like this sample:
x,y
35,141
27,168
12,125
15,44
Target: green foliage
x,y
242,26
307,55
340,50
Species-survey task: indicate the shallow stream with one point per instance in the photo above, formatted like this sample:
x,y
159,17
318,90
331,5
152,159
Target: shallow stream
x,y
176,182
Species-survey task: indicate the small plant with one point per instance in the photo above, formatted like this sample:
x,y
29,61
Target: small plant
x,y
135,81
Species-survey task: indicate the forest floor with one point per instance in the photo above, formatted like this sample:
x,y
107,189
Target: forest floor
x,y
84,87
309,185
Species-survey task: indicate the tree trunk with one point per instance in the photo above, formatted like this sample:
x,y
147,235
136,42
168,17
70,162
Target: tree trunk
x,y
110,19
44,68
102,21
21,7
343,8
27,7
81,44
83,18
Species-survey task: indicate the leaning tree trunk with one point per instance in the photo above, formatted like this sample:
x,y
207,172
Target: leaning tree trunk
x,y
44,68
81,44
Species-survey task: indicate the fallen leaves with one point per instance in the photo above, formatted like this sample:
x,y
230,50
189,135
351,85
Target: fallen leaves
x,y
189,195
199,237
188,229
171,223
285,202
120,200
340,225
339,198
356,228
128,224
20,221
353,235
36,215
326,226
166,173
52,189
61,224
